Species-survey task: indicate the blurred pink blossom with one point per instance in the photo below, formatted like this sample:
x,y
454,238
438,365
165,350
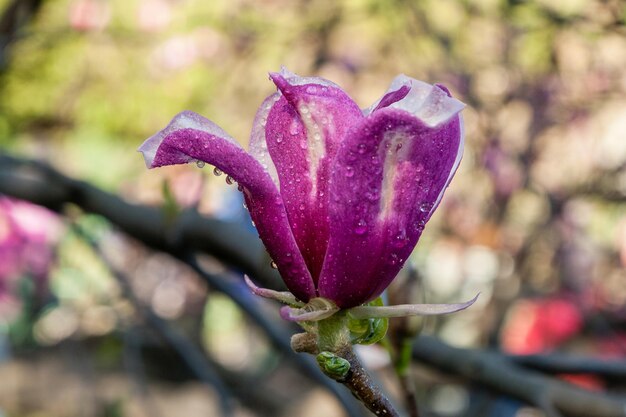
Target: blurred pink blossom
x,y
154,15
27,233
89,15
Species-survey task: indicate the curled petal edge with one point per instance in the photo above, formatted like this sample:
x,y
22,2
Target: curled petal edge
x,y
406,310
284,297
317,309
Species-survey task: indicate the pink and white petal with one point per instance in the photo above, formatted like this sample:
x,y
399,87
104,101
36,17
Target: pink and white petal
x,y
432,104
407,310
389,174
303,132
191,137
258,144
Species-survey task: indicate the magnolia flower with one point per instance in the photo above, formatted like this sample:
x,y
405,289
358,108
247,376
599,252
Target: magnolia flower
x,y
339,195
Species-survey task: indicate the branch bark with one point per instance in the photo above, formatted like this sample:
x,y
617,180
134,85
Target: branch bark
x,y
497,373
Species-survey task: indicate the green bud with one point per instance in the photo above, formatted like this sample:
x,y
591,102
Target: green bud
x,y
368,331
332,365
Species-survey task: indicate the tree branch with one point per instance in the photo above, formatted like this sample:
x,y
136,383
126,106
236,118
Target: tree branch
x,y
189,231
499,374
567,364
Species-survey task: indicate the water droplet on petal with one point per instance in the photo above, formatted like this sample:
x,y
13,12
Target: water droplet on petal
x,y
229,180
273,265
361,148
245,205
361,227
425,207
279,138
349,172
200,164
217,172
419,226
400,239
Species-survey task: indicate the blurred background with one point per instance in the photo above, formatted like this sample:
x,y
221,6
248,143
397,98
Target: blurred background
x,y
535,218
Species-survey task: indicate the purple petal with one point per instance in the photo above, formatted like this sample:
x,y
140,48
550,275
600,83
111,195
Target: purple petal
x,y
303,131
389,175
190,137
406,310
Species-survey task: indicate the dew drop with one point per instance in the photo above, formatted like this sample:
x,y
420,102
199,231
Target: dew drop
x,y
273,265
400,239
361,227
229,180
294,129
279,138
425,207
200,164
245,205
361,148
304,110
217,172
303,144
419,226
349,172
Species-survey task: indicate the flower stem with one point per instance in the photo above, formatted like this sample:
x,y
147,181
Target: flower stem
x,y
362,387
333,336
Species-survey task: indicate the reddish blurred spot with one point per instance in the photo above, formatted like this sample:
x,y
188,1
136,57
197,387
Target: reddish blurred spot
x,y
587,381
534,326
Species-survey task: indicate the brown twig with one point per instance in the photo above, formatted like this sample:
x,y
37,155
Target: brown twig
x,y
361,385
357,380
